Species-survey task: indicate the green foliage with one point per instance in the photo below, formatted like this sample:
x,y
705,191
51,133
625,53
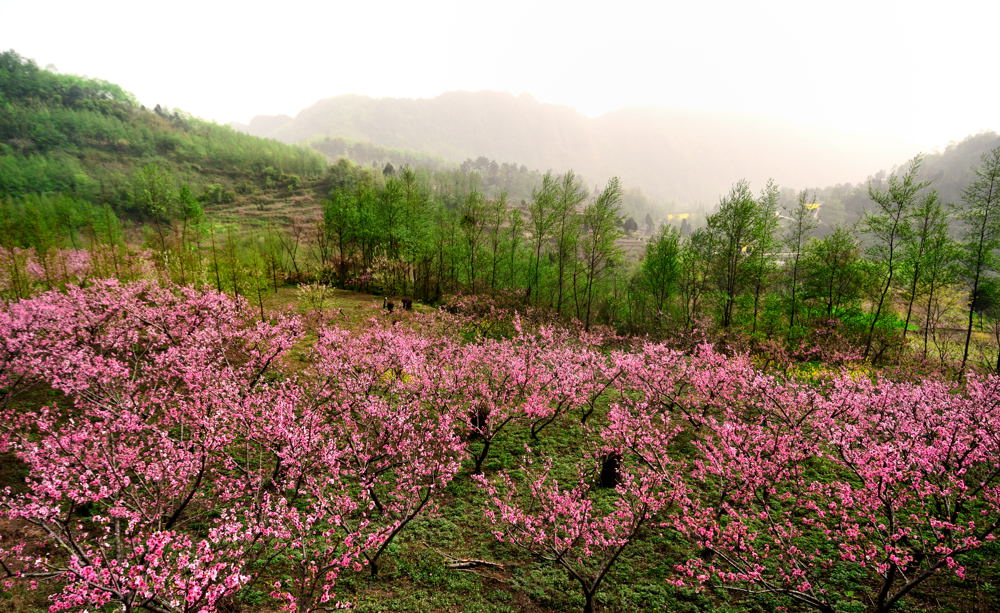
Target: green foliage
x,y
44,222
741,234
22,81
601,228
887,227
802,222
833,276
661,267
387,226
540,220
39,174
981,238
214,193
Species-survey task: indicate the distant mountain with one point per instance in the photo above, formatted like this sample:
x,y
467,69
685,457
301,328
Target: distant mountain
x,y
685,157
455,126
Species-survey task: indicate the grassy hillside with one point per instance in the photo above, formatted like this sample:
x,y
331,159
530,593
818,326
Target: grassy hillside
x,y
91,139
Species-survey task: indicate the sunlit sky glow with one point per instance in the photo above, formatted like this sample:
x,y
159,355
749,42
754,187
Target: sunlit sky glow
x,y
913,72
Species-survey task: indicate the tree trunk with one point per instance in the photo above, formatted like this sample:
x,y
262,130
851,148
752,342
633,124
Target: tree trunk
x,y
878,310
756,294
927,317
481,457
795,279
913,297
968,331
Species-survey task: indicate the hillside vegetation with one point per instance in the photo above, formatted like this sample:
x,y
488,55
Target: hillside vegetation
x,y
61,133
762,267
950,171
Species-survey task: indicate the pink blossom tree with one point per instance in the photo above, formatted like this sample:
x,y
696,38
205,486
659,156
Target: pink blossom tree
x,y
401,456
577,526
386,395
893,480
175,458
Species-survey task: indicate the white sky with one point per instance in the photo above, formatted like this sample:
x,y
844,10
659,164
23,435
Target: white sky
x,y
912,71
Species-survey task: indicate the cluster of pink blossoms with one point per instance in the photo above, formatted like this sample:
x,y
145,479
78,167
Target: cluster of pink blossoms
x,y
174,443
173,452
775,484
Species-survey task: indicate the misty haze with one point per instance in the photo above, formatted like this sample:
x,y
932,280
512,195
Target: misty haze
x,y
688,158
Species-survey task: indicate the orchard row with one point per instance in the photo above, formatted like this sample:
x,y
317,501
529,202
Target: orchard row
x,y
177,448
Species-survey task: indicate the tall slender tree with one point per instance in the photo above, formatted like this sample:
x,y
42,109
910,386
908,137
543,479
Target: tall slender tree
x,y
570,195
940,270
802,222
473,220
696,250
496,215
601,221
982,232
926,221
540,216
887,226
763,243
515,232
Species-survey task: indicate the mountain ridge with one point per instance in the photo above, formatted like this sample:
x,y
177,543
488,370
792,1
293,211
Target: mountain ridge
x,y
675,155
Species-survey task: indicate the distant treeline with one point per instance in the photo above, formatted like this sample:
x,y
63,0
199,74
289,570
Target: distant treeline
x,y
754,272
491,177
841,205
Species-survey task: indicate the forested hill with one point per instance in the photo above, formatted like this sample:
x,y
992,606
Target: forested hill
x,y
948,171
90,138
686,157
454,126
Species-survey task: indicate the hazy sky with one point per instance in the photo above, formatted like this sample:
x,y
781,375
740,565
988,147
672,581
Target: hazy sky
x,y
913,71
